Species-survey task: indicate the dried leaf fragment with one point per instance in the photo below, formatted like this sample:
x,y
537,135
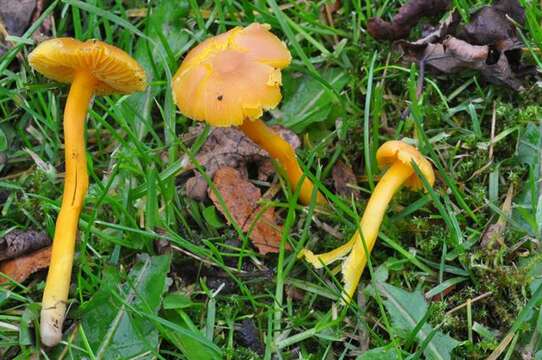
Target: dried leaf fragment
x,y
488,43
241,199
345,180
20,242
490,25
21,268
408,16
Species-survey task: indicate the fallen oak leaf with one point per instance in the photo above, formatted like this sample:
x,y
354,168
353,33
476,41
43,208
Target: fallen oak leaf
x,y
20,242
408,16
21,268
229,147
241,199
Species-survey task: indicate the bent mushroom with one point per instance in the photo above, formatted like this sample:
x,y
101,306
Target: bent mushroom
x,y
398,157
92,67
229,80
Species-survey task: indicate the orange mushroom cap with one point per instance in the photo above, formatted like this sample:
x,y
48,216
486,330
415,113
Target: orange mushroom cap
x,y
114,70
392,151
232,77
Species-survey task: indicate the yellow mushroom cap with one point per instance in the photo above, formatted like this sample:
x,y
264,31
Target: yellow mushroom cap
x,y
392,151
232,77
115,71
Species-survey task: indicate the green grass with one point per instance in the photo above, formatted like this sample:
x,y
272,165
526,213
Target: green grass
x,y
428,243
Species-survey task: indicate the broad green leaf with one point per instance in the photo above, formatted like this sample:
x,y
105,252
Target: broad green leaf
x,y
527,210
529,146
192,347
381,353
177,300
311,102
111,320
407,309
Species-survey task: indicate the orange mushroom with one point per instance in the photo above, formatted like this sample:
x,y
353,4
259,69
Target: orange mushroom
x,y
92,67
229,80
398,157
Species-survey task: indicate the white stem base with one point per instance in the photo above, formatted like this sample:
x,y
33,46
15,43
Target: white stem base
x,y
51,324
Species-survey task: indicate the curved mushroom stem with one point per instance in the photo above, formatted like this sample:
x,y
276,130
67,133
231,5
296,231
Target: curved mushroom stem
x,y
324,259
371,220
282,151
57,286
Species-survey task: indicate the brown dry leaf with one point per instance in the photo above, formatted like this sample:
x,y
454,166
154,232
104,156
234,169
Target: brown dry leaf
x,y
494,233
487,44
345,180
21,268
241,198
229,147
333,7
20,242
490,26
453,55
408,16
15,18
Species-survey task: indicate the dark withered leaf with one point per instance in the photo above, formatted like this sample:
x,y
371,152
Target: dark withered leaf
x,y
16,15
21,268
345,180
454,55
20,242
490,25
248,336
488,44
407,17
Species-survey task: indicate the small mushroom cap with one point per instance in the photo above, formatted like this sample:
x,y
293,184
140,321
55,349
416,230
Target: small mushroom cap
x,y
114,70
232,77
392,151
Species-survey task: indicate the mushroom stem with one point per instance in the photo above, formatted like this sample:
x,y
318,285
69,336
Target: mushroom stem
x,y
370,223
282,151
57,286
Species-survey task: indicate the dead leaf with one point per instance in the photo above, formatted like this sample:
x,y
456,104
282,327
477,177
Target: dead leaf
x,y
494,233
333,7
21,268
16,15
15,18
408,16
454,55
241,199
345,180
229,147
487,44
20,242
247,334
490,26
